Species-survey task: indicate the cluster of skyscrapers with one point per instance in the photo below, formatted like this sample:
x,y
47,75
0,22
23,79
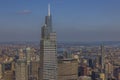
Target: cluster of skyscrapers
x,y
47,65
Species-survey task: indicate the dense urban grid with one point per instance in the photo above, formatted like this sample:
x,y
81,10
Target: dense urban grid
x,y
58,61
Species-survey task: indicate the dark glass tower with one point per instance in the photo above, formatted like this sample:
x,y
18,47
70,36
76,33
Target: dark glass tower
x,y
48,52
47,28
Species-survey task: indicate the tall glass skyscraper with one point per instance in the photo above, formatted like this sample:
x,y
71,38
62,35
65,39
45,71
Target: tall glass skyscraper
x,y
48,50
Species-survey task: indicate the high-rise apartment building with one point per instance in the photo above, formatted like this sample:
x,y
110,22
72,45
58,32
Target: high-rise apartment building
x,y
21,72
28,59
48,56
34,70
22,66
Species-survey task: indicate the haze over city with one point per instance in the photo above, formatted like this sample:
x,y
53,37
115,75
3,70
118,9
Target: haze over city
x,y
59,40
73,20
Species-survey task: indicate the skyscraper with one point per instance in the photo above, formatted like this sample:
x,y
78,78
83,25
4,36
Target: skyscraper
x,y
28,60
23,66
67,69
21,72
48,56
102,58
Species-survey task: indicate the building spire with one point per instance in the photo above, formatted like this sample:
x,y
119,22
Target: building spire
x,y
48,9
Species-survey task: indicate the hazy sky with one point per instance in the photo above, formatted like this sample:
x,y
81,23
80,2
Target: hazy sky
x,y
73,20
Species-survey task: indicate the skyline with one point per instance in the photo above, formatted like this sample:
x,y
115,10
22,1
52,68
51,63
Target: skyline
x,y
91,20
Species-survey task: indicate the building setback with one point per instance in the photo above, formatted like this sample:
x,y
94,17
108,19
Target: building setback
x,y
48,51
